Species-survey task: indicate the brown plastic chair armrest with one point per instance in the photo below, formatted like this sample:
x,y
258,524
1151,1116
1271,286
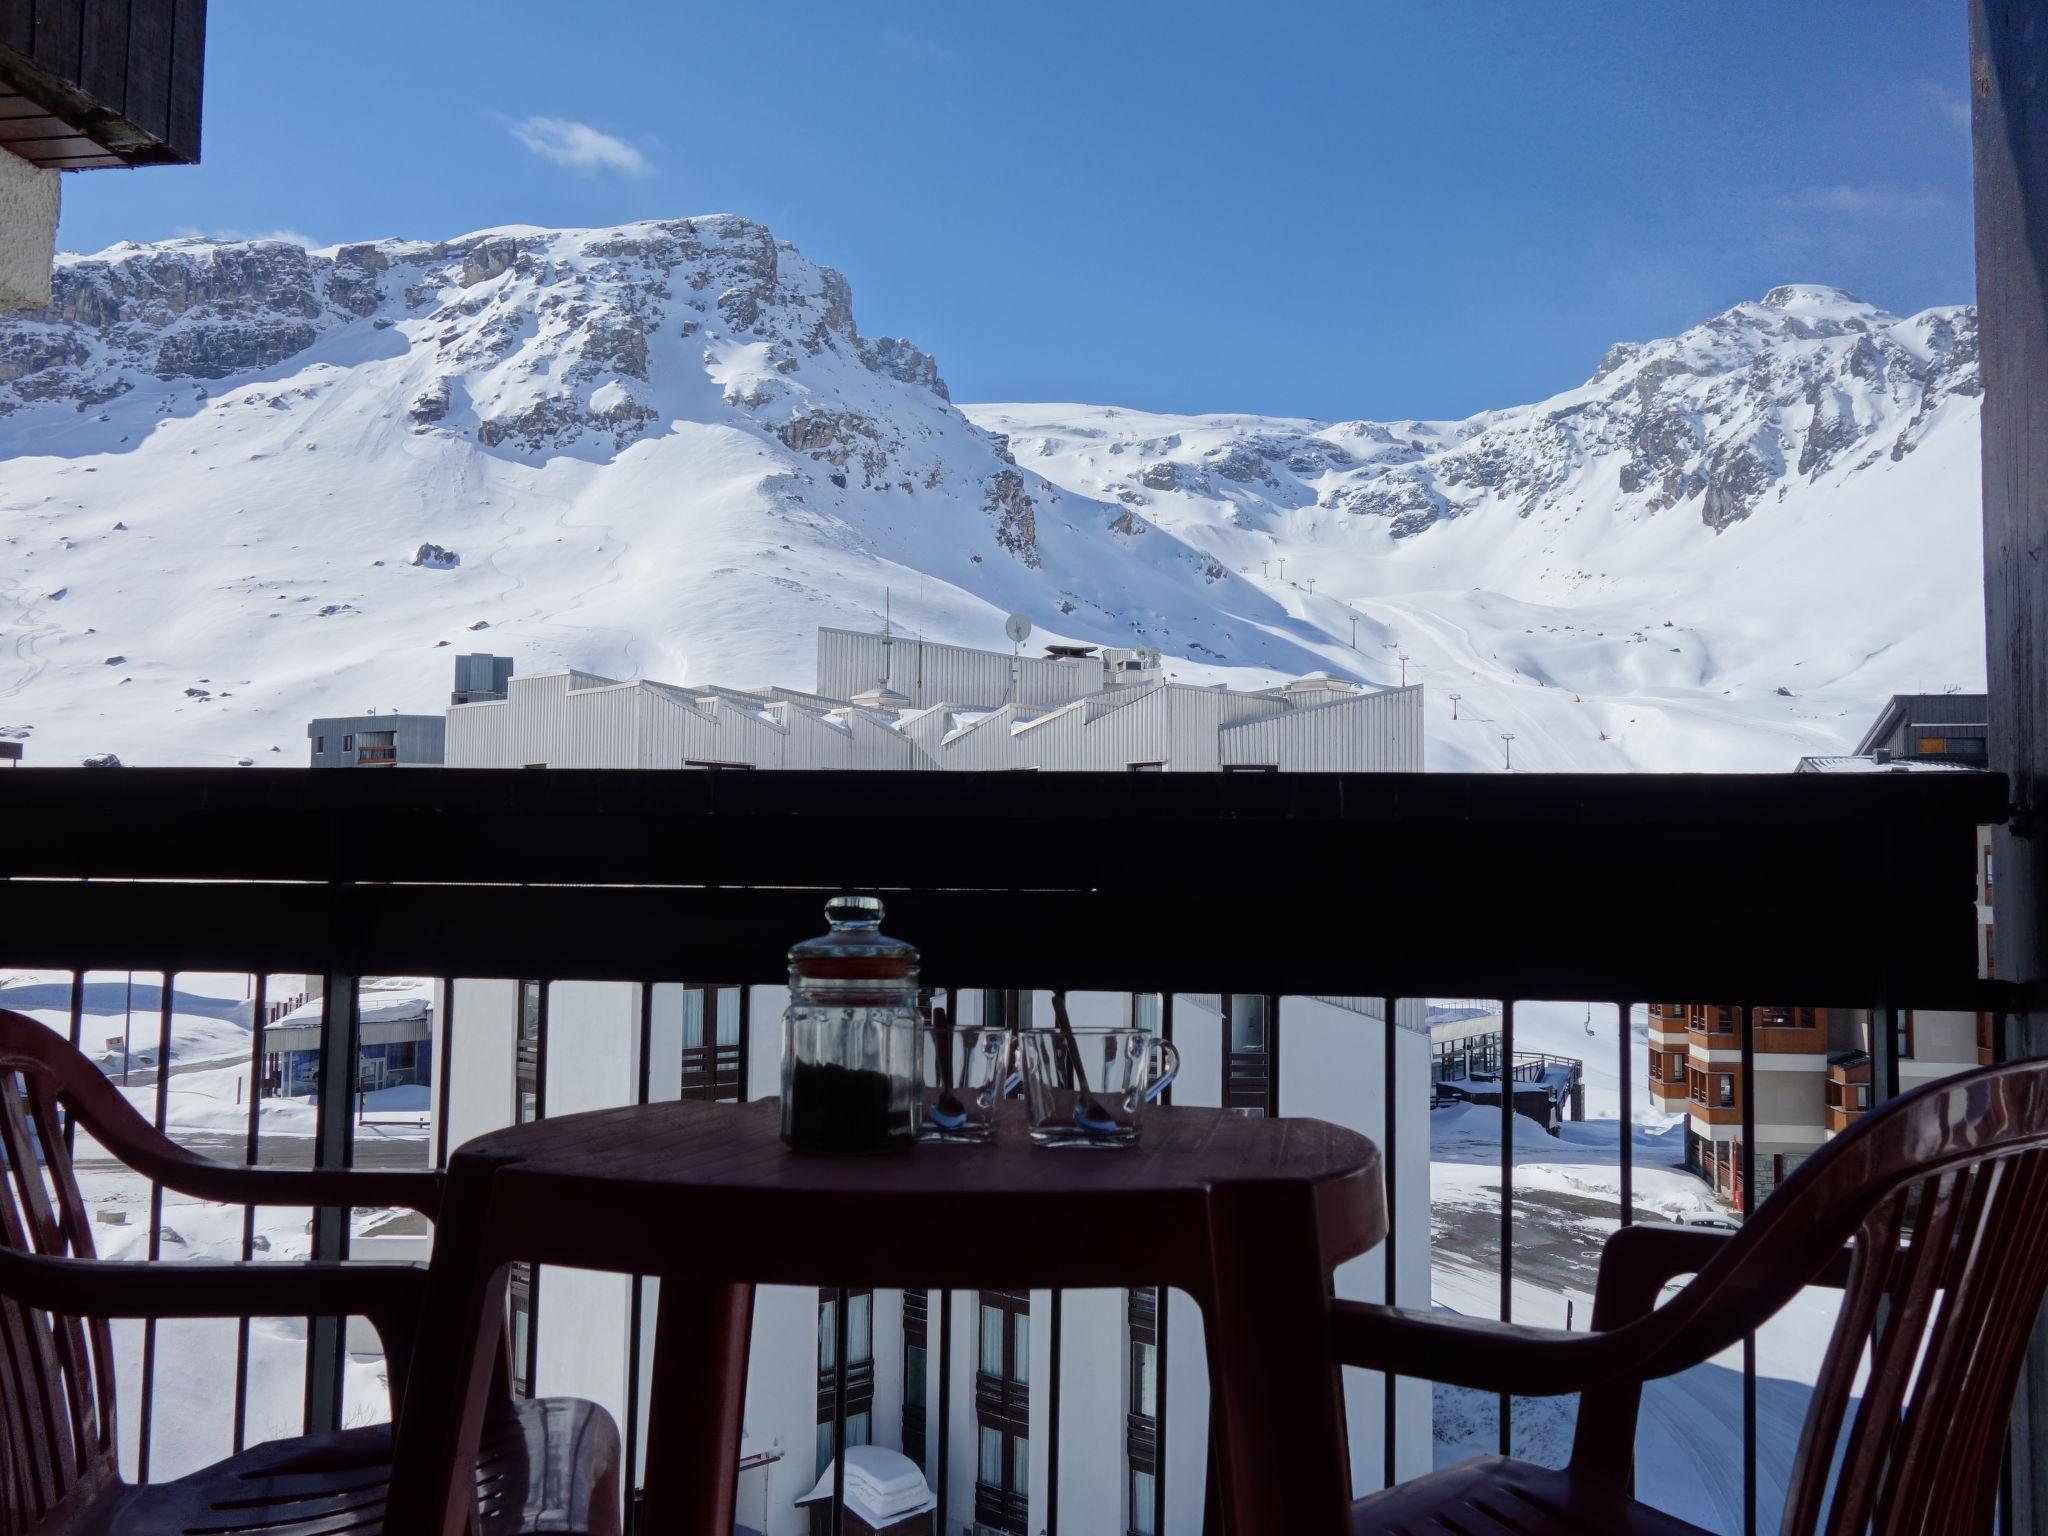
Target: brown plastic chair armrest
x,y
1629,1342
1472,1351
389,1295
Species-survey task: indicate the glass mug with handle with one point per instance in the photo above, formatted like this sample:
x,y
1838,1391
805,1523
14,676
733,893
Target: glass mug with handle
x,y
964,1071
1091,1087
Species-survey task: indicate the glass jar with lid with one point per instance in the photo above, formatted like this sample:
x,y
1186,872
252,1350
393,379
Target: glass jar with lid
x,y
849,1038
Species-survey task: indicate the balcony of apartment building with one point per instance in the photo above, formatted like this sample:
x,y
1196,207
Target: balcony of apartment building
x,y
377,749
1715,1097
617,888
1670,1077
1847,1089
1703,1022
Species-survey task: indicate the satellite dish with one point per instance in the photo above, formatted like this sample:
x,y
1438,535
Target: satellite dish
x,y
1018,628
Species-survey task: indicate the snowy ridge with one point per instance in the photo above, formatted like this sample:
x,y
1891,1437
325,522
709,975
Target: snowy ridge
x,y
243,483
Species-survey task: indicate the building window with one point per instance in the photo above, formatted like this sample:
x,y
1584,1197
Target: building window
x,y
1002,1406
1006,1008
1250,767
348,743
712,1049
860,1369
1141,1409
1247,1053
916,1312
1903,1036
1144,1499
1724,1090
1146,767
521,1294
529,1068
1145,1011
320,746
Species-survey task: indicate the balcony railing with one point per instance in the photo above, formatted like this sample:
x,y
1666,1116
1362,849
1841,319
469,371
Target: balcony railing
x,y
1531,1066
1001,1397
1500,887
1001,1509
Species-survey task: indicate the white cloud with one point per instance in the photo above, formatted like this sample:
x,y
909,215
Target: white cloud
x,y
579,146
1946,102
1875,199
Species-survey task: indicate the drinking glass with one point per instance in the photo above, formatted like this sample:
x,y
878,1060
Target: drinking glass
x,y
1093,1087
962,1067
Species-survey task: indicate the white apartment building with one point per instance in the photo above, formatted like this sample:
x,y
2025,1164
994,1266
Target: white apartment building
x,y
1133,1398
885,701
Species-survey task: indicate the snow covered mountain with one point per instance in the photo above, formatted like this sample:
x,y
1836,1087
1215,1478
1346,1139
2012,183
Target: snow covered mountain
x,y
243,483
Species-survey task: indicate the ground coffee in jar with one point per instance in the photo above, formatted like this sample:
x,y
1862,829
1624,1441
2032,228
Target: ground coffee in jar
x,y
849,1038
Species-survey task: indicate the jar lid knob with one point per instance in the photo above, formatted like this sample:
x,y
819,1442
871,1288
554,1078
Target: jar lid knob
x,y
854,911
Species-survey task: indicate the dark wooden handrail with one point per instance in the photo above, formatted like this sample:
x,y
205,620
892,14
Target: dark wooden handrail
x,y
1413,885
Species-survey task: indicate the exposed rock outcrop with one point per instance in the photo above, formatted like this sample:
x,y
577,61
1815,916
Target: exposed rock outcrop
x,y
1016,516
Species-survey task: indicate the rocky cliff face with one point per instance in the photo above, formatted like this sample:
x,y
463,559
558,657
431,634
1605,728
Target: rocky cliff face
x,y
243,483
537,342
1714,424
548,305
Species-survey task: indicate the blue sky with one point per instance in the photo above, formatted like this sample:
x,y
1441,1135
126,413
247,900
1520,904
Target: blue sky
x,y
1335,210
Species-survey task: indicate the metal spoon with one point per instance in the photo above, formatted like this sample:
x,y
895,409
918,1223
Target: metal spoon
x,y
1088,1113
949,1113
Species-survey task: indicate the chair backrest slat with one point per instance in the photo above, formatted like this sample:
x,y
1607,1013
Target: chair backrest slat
x,y
70,1381
57,1412
1912,1285
1952,1345
1943,1472
90,1375
1877,1249
36,1378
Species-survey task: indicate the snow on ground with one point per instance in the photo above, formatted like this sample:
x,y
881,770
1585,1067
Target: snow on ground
x,y
218,1100
1566,1193
209,1014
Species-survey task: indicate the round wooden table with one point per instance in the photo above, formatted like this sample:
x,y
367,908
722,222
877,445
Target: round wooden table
x,y
1247,1216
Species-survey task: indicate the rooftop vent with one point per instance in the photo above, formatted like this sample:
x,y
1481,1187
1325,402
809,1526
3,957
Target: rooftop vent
x,y
882,699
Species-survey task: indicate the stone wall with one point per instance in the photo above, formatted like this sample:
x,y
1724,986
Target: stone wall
x,y
28,232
